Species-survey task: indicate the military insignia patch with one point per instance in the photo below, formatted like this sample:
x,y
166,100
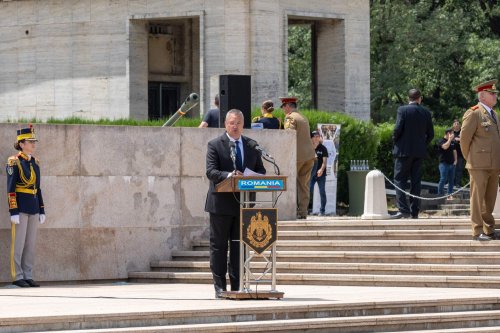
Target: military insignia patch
x,y
12,201
10,170
259,228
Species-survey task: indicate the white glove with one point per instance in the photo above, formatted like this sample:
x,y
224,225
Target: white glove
x,y
42,218
14,219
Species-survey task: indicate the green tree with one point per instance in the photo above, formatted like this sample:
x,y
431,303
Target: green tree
x,y
443,47
300,64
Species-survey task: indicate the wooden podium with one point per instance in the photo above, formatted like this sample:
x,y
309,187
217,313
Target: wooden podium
x,y
245,186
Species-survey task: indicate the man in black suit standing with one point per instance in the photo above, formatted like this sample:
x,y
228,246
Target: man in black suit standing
x,y
412,133
224,208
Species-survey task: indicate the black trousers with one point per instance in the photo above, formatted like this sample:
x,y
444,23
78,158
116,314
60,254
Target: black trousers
x,y
224,230
404,168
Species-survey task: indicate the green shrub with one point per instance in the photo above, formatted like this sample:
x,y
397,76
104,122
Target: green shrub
x,y
358,141
430,169
384,160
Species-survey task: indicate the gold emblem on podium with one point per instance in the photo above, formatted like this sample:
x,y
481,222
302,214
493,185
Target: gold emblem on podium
x,y
258,228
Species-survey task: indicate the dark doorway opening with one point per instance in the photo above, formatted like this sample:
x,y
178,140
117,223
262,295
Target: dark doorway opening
x,y
163,99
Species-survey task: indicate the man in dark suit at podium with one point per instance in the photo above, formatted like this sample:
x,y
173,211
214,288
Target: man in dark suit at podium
x,y
224,208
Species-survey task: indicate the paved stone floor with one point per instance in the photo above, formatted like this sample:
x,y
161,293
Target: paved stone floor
x,y
83,299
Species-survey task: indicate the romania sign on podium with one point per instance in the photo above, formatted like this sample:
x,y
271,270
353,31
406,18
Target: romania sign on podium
x,y
261,184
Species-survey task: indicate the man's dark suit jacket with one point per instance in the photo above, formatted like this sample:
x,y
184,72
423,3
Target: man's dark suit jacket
x,y
413,131
219,165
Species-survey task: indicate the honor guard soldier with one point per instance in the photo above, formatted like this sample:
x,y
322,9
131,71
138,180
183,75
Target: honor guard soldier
x,y
305,152
25,207
268,120
480,143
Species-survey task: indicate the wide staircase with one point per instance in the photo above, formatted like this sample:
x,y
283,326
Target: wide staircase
x,y
432,252
392,265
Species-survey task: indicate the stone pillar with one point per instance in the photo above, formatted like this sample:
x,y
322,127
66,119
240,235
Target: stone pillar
x,y
331,70
375,197
138,69
266,43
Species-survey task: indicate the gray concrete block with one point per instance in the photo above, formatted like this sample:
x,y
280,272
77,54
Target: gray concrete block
x,y
58,254
146,151
63,200
98,254
118,201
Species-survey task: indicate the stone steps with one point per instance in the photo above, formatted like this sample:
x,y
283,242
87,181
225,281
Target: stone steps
x,y
448,234
356,224
422,257
421,252
379,316
332,325
449,212
314,245
454,207
388,280
341,268
491,329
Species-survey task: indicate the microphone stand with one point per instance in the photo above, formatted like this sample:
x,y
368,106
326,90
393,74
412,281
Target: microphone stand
x,y
271,160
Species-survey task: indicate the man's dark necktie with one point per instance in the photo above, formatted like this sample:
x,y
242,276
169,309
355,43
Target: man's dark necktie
x,y
239,164
494,116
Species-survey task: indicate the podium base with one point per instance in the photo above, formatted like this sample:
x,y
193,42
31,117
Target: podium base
x,y
250,294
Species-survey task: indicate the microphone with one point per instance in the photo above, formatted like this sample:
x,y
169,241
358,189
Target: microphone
x,y
255,145
232,148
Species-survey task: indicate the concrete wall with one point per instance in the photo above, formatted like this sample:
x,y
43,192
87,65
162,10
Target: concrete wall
x,y
118,197
88,58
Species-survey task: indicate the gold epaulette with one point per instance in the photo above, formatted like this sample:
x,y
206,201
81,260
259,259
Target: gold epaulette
x,y
255,119
290,122
12,160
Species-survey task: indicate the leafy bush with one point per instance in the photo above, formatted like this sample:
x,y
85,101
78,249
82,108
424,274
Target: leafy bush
x,y
358,141
385,160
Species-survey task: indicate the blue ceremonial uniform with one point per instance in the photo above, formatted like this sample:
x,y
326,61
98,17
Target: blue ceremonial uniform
x,y
25,207
269,121
23,185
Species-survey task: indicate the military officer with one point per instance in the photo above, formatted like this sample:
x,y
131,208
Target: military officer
x,y
480,144
25,206
268,120
305,152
